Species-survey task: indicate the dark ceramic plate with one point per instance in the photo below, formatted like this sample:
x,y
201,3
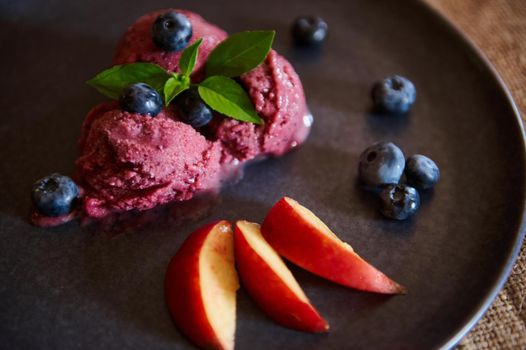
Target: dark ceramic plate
x,y
101,286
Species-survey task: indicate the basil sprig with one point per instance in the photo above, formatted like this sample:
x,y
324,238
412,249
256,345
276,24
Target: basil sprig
x,y
227,97
189,58
112,81
238,54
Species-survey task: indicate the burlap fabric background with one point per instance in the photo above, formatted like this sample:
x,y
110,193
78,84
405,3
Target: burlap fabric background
x,y
498,28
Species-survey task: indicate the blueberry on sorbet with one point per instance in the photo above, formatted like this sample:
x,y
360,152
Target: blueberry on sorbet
x,y
309,30
172,31
54,195
394,94
142,99
193,110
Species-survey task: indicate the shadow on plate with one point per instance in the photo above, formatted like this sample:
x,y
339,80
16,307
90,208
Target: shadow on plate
x,y
171,215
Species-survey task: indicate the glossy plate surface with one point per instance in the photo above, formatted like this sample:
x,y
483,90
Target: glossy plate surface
x,y
101,286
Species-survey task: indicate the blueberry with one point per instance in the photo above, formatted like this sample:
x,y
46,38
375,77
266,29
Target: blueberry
x,y
421,172
394,94
193,110
381,164
54,195
141,98
399,201
309,30
172,31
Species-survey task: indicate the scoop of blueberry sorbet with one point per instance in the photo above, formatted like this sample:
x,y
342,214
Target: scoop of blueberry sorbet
x,y
136,155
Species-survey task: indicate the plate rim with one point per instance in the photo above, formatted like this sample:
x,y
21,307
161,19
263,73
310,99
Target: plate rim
x,y
483,306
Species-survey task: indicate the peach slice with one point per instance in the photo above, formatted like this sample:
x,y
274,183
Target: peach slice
x,y
270,283
301,237
201,284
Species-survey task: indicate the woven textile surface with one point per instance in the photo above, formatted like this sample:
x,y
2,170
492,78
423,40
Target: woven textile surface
x,y
498,28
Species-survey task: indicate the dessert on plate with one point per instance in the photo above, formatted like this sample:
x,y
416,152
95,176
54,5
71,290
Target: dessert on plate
x,y
143,153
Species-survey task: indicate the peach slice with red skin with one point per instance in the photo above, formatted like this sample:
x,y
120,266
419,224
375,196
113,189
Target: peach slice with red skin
x,y
270,283
301,237
200,287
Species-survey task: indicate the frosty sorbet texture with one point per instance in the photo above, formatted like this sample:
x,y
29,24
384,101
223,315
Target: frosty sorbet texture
x,y
130,161
137,45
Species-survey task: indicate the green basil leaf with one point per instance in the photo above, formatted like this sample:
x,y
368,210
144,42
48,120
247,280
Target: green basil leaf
x,y
239,53
189,57
112,81
174,86
227,97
